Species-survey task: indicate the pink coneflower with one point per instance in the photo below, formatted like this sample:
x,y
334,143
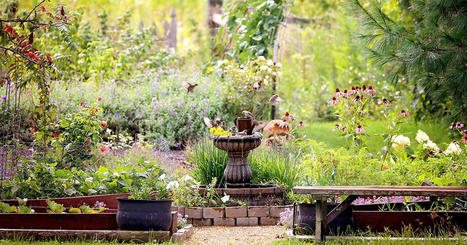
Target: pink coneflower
x,y
352,91
339,93
464,138
300,124
104,148
336,127
334,101
357,98
459,125
384,102
99,98
359,129
404,113
82,103
370,90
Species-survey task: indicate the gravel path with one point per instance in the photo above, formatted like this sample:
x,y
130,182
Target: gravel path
x,y
249,235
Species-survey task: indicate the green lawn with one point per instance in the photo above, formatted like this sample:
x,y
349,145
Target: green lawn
x,y
322,132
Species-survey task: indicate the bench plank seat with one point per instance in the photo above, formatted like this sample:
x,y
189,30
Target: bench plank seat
x,y
438,191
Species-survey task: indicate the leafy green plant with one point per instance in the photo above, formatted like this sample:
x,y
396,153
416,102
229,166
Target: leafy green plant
x,y
248,86
250,28
74,137
54,208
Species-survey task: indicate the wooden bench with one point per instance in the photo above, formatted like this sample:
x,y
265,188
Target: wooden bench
x,y
322,193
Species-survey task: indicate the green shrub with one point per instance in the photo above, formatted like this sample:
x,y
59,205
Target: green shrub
x,y
345,167
41,180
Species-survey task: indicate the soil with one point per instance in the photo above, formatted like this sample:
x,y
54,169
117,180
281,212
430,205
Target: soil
x,y
174,158
220,235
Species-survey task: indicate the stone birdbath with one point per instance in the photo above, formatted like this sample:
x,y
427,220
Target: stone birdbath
x,y
238,172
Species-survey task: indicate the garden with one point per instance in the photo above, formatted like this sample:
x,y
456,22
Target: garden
x,y
233,122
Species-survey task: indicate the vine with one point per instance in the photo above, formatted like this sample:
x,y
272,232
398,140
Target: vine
x,y
250,29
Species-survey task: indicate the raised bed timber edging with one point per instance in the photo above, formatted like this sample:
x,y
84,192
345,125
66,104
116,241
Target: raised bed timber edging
x,y
111,235
232,216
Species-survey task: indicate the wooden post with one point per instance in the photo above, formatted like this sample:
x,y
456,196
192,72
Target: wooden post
x,y
214,11
172,35
274,59
321,213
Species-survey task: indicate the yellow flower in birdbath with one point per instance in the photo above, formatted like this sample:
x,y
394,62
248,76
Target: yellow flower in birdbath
x,y
219,131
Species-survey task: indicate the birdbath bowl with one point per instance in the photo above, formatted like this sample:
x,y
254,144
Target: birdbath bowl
x,y
238,172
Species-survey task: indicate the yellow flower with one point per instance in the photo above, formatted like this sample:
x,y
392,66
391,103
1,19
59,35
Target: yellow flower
x,y
229,134
212,130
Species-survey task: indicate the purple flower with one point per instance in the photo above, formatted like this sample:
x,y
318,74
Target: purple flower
x,y
99,204
4,97
286,217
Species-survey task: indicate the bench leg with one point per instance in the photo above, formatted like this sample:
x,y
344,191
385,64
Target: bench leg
x,y
321,213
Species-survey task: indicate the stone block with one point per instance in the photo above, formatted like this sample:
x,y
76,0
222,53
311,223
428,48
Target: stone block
x,y
275,211
247,221
258,211
209,213
194,212
224,221
235,212
268,221
202,222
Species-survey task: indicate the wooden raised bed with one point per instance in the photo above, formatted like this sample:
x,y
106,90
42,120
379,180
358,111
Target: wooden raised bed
x,y
82,227
110,201
67,221
377,221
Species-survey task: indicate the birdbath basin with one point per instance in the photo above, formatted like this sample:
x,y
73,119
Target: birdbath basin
x,y
238,172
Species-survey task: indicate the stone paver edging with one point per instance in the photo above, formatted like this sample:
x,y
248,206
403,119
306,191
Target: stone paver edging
x,y
232,216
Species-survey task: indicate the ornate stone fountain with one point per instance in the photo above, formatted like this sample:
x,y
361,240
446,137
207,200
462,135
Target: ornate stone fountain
x,y
238,172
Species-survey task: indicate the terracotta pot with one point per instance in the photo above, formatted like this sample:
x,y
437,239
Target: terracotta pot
x,y
245,124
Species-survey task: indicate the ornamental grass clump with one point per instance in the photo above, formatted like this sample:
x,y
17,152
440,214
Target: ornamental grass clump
x,y
276,165
209,162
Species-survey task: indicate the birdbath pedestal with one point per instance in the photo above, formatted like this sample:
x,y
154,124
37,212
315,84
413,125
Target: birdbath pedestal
x,y
238,172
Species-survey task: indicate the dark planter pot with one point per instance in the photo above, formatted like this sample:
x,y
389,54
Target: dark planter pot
x,y
144,214
306,219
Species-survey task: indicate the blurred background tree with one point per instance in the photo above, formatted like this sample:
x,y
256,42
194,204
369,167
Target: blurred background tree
x,y
423,44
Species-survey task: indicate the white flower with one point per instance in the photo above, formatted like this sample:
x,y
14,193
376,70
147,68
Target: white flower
x,y
187,178
162,177
279,65
430,145
261,58
422,137
108,131
225,198
453,148
400,141
270,63
263,68
172,185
